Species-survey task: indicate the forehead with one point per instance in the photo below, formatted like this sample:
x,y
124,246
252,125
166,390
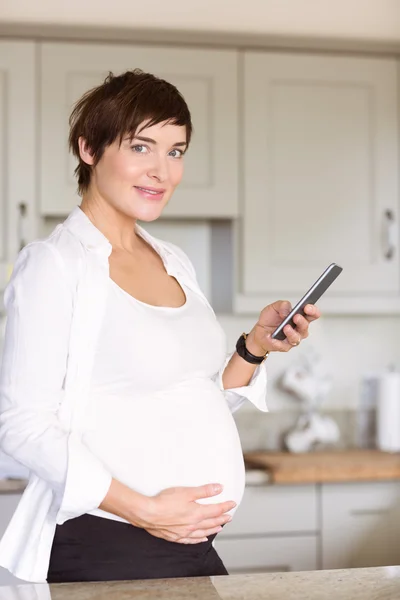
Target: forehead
x,y
163,130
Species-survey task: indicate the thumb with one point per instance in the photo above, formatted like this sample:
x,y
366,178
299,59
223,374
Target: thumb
x,y
285,308
205,491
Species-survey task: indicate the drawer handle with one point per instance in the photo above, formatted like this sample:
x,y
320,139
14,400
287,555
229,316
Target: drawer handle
x,y
390,235
22,214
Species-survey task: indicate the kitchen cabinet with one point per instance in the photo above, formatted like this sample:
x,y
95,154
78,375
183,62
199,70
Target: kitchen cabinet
x,y
320,139
17,150
268,554
274,529
8,504
206,78
311,140
315,526
360,524
272,509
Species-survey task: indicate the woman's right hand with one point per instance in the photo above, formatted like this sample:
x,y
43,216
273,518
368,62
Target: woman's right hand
x,y
174,514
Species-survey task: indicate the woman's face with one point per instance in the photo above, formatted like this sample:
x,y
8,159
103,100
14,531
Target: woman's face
x,y
138,177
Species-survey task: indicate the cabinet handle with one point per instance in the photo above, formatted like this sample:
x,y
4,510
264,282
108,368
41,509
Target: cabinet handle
x,y
368,512
22,212
390,234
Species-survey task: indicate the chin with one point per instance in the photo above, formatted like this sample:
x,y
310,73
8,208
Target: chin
x,y
149,214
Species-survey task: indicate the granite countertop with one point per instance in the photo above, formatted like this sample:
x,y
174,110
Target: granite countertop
x,y
382,583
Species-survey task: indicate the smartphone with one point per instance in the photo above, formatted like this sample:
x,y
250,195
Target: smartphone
x,y
314,293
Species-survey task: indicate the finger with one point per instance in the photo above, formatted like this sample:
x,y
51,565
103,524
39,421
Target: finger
x,y
293,337
174,538
302,325
162,534
276,345
210,523
209,511
312,312
200,533
205,491
281,307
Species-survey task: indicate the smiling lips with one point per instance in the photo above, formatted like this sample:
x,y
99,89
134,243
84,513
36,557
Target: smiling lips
x,y
150,192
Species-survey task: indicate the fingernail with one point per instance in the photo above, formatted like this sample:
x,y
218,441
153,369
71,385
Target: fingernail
x,y
229,518
217,488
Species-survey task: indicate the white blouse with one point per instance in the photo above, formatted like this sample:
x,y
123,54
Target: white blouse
x,y
170,424
57,308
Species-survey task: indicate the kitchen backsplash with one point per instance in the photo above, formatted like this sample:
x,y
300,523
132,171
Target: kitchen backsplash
x,y
351,347
266,431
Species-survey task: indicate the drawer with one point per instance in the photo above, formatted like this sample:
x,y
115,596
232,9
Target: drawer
x,y
266,555
273,509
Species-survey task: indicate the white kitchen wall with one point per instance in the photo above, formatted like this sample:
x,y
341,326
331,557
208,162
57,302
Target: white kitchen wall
x,y
357,19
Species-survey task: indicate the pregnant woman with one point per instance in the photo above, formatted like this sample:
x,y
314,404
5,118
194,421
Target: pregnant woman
x,y
115,389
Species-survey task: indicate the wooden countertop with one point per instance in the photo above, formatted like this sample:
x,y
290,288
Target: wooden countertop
x,y
12,486
326,467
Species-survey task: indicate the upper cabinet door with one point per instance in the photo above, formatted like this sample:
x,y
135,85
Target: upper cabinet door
x,y
206,78
321,180
17,151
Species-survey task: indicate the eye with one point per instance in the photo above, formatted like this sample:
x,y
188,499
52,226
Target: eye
x,y
176,150
139,148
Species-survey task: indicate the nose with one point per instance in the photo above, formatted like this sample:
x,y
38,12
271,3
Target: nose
x,y
159,169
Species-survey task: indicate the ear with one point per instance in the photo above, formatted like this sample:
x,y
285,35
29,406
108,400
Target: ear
x,y
85,152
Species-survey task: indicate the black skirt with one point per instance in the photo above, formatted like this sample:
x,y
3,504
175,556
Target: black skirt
x,y
91,548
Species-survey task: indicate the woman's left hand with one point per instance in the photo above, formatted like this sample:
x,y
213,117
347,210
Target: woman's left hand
x,y
259,339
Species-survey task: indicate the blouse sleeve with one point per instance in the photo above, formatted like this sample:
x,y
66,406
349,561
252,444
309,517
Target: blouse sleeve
x,y
39,304
255,391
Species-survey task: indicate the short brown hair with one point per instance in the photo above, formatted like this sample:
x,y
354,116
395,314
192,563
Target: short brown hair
x,y
116,108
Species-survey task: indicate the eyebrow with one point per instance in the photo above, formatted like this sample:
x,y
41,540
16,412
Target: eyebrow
x,y
150,141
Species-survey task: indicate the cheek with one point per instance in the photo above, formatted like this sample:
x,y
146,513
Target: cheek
x,y
118,167
176,173
110,171
125,169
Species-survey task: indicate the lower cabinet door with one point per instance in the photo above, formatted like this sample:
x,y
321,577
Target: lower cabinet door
x,y
268,554
272,510
360,524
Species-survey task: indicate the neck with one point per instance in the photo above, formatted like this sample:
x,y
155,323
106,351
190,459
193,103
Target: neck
x,y
117,227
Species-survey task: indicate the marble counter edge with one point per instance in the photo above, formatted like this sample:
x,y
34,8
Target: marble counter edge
x,y
357,584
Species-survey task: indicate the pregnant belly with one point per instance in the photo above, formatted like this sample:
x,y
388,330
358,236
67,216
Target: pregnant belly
x,y
185,436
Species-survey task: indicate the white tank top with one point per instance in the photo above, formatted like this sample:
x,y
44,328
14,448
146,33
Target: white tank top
x,y
156,418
